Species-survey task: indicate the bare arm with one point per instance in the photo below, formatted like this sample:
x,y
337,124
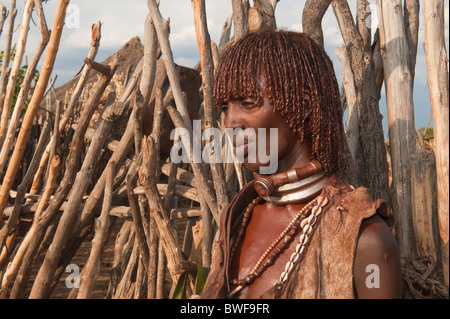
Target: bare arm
x,y
377,270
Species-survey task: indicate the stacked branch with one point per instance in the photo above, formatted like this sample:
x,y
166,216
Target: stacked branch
x,y
84,187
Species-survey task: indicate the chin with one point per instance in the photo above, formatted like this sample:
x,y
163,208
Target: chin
x,y
258,168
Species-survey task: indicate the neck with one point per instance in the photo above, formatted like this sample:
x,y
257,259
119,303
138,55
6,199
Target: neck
x,y
298,157
293,186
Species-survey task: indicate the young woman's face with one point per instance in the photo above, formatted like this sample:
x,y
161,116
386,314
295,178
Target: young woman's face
x,y
250,115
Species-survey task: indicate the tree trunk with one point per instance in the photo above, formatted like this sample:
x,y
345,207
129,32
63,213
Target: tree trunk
x,y
358,45
240,18
312,16
402,135
437,77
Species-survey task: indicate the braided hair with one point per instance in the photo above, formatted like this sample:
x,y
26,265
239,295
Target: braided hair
x,y
290,65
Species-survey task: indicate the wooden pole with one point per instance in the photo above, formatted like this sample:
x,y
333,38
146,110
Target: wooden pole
x,y
204,44
102,224
412,12
34,103
42,285
400,107
240,18
26,84
7,52
3,15
437,78
167,234
10,89
162,29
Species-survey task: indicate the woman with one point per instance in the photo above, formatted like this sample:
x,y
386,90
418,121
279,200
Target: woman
x,y
301,232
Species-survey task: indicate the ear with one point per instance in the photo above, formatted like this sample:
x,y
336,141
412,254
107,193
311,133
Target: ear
x,y
307,103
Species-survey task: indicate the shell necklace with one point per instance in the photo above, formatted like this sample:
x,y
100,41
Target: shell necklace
x,y
304,220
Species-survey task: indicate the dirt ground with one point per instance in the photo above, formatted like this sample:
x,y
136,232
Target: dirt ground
x,y
62,291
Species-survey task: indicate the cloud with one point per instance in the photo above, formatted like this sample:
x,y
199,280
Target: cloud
x,y
122,20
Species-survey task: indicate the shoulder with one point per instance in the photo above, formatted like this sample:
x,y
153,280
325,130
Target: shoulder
x,y
375,237
377,268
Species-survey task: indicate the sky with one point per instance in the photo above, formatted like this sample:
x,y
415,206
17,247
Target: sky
x,y
123,20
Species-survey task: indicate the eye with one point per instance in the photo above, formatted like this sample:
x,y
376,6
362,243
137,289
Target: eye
x,y
249,103
224,107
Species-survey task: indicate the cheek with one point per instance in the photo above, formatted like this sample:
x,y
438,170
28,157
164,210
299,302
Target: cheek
x,y
286,139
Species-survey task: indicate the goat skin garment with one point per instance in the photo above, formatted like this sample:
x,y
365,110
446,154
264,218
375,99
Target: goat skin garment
x,y
326,269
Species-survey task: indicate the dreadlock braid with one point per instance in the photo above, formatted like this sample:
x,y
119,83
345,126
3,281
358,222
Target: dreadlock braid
x,y
291,65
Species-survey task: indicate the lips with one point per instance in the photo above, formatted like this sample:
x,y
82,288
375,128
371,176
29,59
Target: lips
x,y
241,150
243,142
240,145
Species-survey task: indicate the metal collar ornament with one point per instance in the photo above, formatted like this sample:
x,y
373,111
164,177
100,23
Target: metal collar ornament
x,y
293,186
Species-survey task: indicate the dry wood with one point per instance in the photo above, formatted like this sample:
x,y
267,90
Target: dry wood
x,y
97,66
83,224
34,103
168,204
18,259
162,30
167,234
187,212
411,16
3,15
135,212
400,109
11,86
50,186
182,175
180,190
6,54
96,35
161,26
240,18
125,288
24,185
369,117
102,223
110,144
161,273
437,79
262,16
204,44
202,187
312,16
424,206
352,129
122,249
54,142
42,285
149,63
154,242
152,272
226,30
71,167
117,157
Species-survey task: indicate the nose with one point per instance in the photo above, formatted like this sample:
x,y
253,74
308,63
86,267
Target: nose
x,y
232,116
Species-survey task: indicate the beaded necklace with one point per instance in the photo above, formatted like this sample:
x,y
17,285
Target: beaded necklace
x,y
304,219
